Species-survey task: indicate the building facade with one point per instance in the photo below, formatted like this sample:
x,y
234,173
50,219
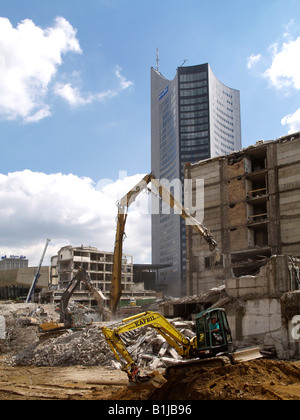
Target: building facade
x,y
252,207
12,262
16,282
99,265
193,117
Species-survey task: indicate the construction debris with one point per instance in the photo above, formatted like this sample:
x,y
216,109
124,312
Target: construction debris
x,y
79,364
26,346
88,347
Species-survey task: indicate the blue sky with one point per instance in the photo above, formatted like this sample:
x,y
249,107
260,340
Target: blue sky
x,y
75,97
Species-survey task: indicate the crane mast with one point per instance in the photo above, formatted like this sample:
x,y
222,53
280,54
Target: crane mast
x,y
36,277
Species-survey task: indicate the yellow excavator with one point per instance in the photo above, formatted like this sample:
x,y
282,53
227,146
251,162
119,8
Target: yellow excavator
x,y
166,196
210,347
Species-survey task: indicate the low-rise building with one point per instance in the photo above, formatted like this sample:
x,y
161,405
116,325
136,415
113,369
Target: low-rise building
x,y
15,283
13,261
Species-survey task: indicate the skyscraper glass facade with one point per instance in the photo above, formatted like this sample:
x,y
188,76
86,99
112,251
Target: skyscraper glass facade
x,y
193,117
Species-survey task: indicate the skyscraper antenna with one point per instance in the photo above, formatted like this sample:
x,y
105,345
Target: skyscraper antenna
x,y
157,60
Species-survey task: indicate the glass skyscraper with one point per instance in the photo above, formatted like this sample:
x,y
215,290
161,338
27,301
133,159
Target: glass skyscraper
x,y
193,117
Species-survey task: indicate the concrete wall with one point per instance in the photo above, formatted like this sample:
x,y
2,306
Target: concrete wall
x,y
198,278
24,277
273,279
288,157
261,315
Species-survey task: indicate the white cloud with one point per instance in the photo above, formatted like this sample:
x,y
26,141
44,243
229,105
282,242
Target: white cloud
x,y
284,70
283,73
124,83
253,59
74,97
39,115
69,210
71,94
292,121
29,60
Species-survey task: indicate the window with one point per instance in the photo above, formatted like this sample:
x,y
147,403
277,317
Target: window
x,y
193,92
193,77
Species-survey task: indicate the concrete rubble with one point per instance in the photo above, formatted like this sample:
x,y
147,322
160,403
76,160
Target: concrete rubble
x,y
88,347
26,346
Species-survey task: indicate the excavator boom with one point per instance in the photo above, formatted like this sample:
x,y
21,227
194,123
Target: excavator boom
x,y
166,196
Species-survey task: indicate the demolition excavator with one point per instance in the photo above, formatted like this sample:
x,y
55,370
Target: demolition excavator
x,y
71,319
211,346
67,318
167,197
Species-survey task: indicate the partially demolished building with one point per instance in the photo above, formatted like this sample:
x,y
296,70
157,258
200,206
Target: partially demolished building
x,y
99,265
252,206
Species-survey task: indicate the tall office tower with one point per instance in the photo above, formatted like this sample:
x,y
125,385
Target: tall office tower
x,y
193,117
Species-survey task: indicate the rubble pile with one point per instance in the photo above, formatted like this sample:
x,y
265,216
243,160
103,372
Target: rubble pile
x,y
88,347
18,329
151,349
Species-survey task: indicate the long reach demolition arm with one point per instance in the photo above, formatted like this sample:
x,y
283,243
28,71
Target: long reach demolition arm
x,y
123,204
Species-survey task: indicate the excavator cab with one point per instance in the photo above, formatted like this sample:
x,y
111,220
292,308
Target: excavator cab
x,y
213,333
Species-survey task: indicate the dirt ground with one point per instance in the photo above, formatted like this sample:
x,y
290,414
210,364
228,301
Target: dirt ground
x,y
255,380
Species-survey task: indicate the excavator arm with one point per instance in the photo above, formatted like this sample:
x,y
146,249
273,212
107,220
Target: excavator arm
x,y
155,320
123,204
66,296
65,316
83,276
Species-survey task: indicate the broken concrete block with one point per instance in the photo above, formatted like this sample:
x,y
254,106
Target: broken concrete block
x,y
281,353
163,349
156,362
168,361
2,328
173,353
180,324
146,356
173,320
116,364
